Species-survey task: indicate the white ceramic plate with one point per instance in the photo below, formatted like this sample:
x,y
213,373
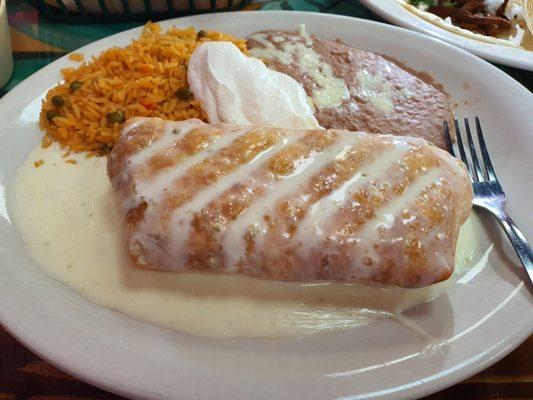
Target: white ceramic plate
x,y
477,322
393,12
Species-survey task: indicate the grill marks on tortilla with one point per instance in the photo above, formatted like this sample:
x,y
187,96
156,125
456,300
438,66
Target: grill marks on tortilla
x,y
358,211
285,218
209,225
194,142
218,216
370,197
213,225
289,204
242,150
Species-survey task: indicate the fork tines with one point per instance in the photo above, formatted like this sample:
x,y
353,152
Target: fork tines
x,y
478,172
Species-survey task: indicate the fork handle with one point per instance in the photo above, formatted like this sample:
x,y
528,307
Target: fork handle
x,y
519,242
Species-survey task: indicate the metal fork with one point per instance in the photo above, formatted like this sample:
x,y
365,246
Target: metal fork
x,y
488,193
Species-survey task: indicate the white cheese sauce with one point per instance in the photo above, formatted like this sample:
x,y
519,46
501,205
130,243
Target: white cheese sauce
x,y
69,218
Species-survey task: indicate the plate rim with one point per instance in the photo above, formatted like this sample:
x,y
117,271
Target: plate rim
x,y
426,388
430,386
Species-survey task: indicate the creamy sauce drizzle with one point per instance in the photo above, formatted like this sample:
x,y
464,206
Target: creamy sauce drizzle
x,y
321,212
154,188
364,246
78,240
385,215
182,221
305,169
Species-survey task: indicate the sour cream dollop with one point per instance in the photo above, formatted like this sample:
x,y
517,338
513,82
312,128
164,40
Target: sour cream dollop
x,y
492,5
234,88
513,9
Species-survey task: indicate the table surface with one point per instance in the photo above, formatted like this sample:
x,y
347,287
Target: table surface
x,y
36,42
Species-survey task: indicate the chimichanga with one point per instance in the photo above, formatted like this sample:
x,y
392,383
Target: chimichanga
x,y
291,205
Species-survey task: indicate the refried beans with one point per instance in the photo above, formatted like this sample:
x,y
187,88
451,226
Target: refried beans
x,y
357,90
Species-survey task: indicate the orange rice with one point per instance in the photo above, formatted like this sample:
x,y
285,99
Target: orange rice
x,y
147,78
76,57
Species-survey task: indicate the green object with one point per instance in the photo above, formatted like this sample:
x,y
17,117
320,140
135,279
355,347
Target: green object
x,y
75,85
116,116
58,101
184,94
426,2
51,114
429,3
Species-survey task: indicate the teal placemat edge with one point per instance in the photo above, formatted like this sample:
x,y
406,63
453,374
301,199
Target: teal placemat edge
x,y
71,37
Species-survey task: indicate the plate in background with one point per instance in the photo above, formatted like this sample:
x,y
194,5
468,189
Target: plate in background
x,y
394,13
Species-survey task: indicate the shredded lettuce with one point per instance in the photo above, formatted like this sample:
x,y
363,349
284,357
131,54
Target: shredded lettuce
x,y
428,3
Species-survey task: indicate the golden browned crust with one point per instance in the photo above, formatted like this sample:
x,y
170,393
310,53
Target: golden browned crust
x,y
416,249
